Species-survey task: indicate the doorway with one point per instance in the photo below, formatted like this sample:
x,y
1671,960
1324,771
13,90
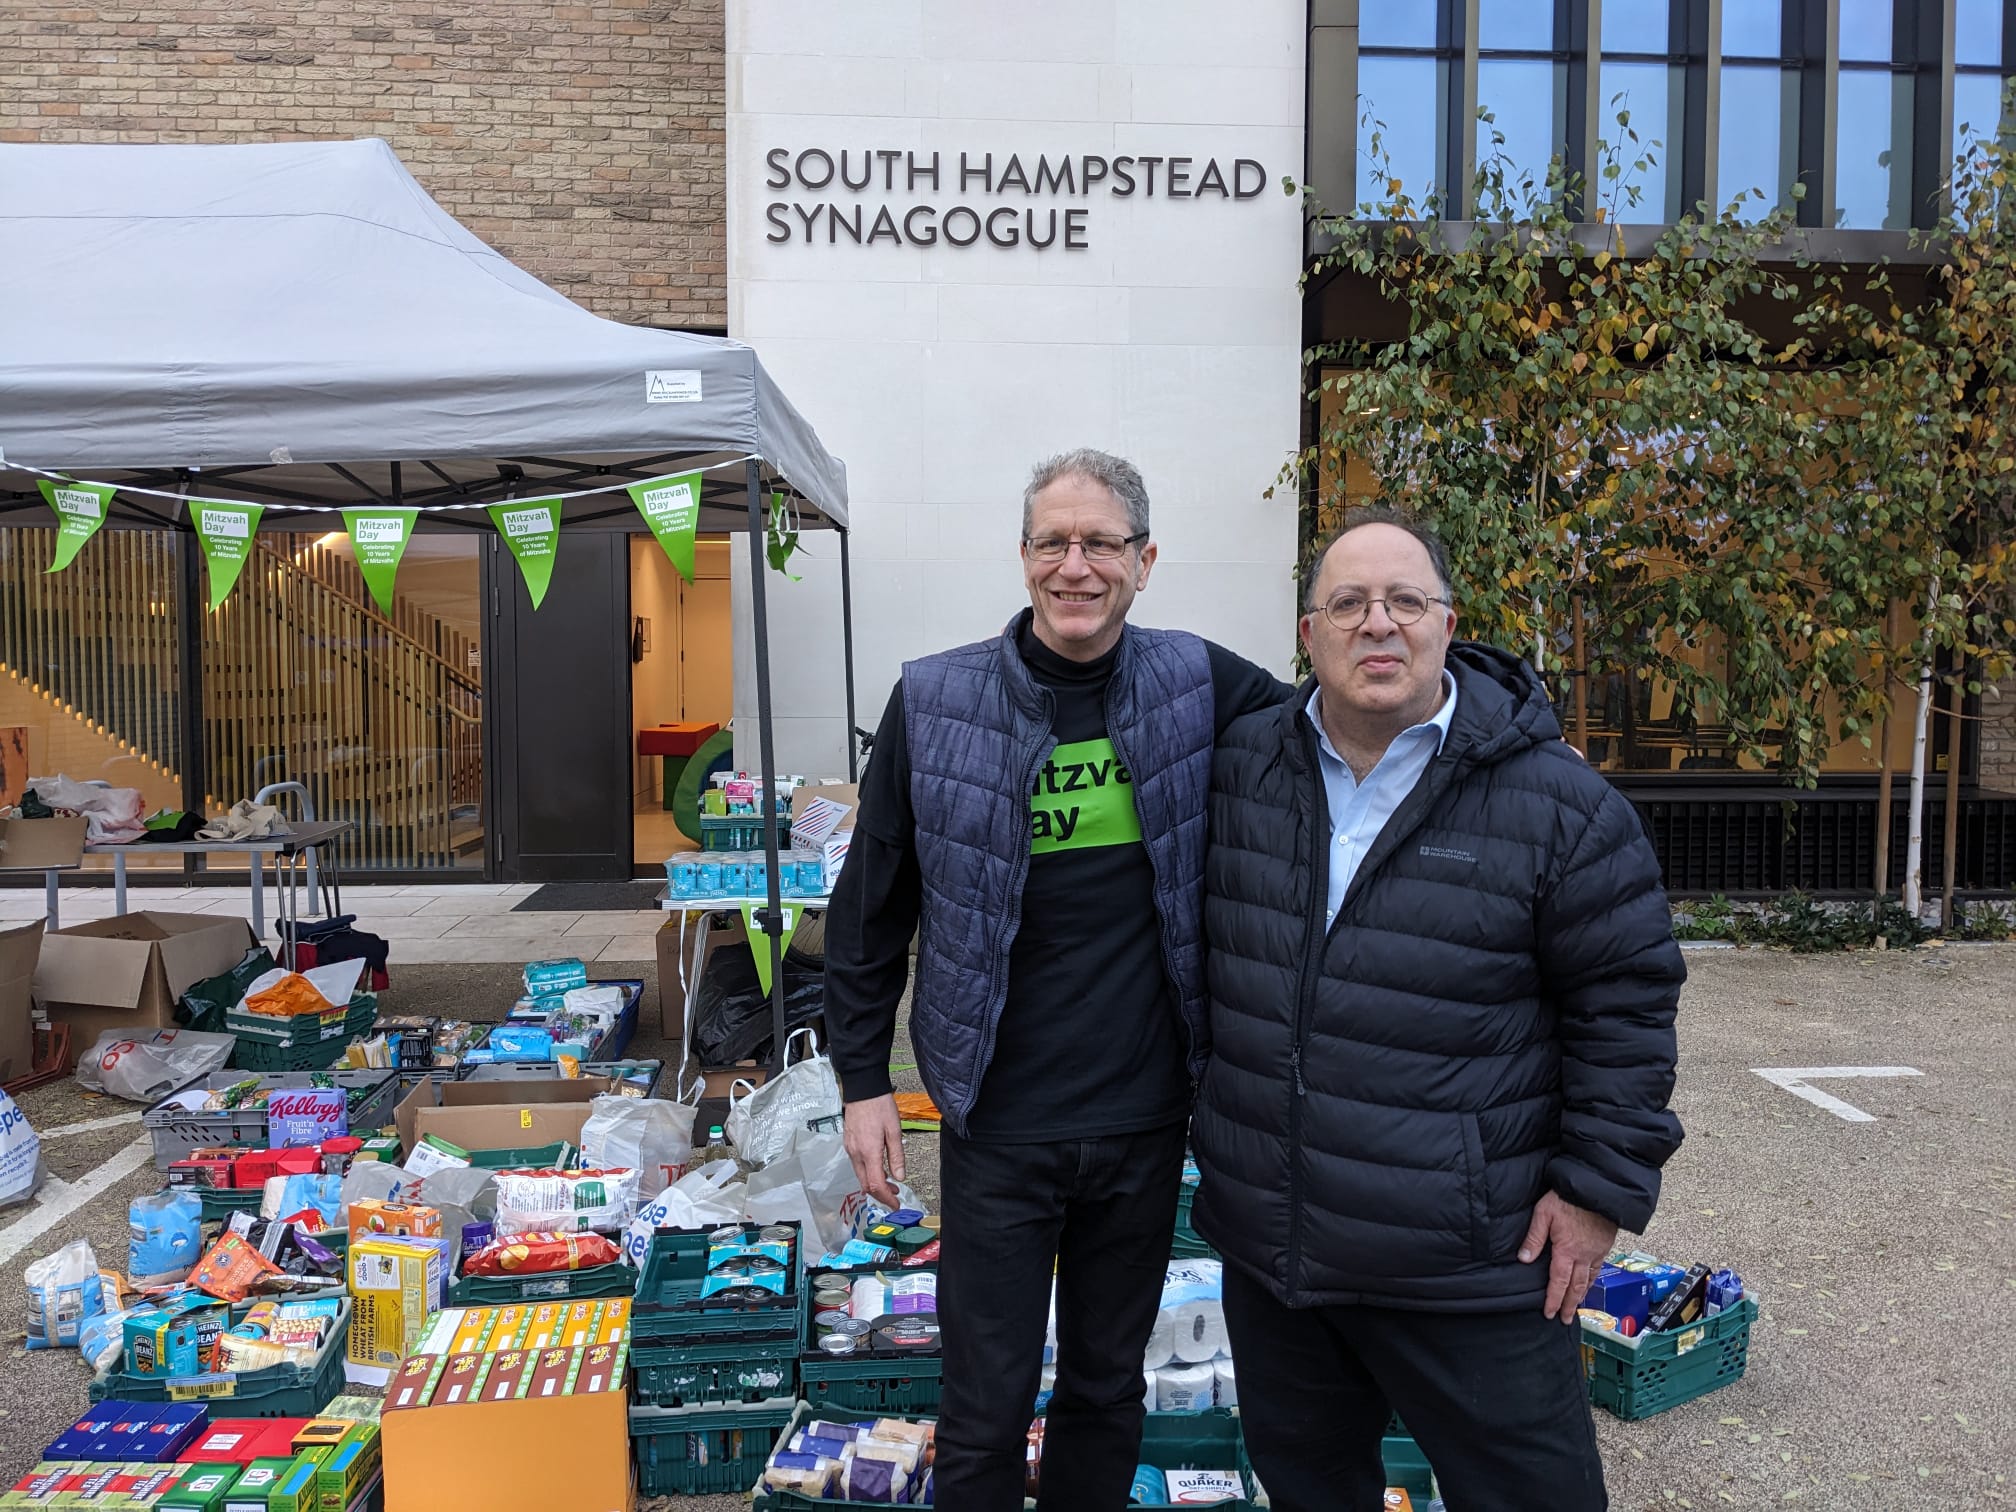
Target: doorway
x,y
681,671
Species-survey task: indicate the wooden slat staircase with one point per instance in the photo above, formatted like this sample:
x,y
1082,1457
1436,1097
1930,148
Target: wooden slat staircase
x,y
303,679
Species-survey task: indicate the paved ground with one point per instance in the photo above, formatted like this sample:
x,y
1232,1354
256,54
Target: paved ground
x,y
1879,1375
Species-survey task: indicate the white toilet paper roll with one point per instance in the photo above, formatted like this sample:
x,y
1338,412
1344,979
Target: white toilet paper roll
x,y
1228,1385
1148,1396
1185,1388
1161,1342
1200,1331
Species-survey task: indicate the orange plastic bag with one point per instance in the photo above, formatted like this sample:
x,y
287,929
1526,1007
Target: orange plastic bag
x,y
290,997
231,1269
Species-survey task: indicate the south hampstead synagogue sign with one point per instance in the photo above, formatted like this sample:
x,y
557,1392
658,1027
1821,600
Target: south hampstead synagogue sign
x,y
839,210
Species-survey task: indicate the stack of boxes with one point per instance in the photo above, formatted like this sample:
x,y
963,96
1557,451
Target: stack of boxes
x,y
173,1458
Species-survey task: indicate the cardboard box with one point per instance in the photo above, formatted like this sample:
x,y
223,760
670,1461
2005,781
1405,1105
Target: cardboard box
x,y
202,1490
42,845
249,1492
822,822
499,1115
394,1284
19,949
557,1453
370,1218
128,972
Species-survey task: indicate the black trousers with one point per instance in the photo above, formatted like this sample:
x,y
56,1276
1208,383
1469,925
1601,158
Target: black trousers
x,y
1100,1212
1495,1400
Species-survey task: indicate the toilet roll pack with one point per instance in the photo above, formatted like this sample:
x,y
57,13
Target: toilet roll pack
x,y
1188,1366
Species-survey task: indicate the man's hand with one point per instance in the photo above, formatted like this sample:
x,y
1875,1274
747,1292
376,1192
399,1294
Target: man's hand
x,y
1578,1238
875,1139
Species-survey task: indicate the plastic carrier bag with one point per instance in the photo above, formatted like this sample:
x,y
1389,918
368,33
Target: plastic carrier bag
x,y
763,1122
651,1136
20,1154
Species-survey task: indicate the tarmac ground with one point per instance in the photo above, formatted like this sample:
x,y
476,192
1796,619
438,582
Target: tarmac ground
x,y
1883,1251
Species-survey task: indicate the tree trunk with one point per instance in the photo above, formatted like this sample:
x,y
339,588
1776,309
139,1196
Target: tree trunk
x,y
1914,840
1889,765
1581,675
1950,859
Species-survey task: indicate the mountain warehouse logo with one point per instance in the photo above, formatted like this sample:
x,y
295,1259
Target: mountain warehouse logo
x,y
74,501
226,523
665,503
379,532
527,522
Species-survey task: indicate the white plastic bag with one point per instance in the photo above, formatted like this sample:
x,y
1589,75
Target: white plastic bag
x,y
808,1186
705,1198
64,1289
143,1067
20,1154
336,982
647,1135
763,1121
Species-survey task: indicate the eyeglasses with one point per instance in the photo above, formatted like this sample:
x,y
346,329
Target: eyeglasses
x,y
1404,606
1097,548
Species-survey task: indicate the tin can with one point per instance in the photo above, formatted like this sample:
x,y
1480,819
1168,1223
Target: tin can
x,y
730,1235
777,1233
854,1328
476,1235
826,1320
838,1344
830,1281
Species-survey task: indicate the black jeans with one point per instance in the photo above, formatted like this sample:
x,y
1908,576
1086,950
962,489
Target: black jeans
x,y
1102,1212
1495,1400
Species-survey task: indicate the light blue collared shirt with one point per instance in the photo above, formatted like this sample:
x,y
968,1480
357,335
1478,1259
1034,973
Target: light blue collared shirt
x,y
1359,810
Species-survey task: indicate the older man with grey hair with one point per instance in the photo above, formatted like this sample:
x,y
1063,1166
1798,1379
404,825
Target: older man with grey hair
x,y
1034,815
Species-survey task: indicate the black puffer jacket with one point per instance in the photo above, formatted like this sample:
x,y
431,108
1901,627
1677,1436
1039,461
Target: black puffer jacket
x,y
1490,1015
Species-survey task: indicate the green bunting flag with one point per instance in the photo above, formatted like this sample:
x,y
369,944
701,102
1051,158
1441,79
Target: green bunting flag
x,y
225,530
80,510
759,942
379,537
671,507
531,528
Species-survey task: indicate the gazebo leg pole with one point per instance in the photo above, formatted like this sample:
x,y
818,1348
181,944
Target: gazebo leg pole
x,y
771,917
847,651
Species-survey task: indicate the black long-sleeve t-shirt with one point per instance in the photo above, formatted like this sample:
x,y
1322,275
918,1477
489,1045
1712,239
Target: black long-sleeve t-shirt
x,y
1090,1042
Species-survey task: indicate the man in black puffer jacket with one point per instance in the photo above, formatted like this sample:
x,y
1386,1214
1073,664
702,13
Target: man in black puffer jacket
x,y
1442,984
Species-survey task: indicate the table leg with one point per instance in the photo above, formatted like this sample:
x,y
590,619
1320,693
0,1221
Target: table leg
x,y
119,882
258,897
50,906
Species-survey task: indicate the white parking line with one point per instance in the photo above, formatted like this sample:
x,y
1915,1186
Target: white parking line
x,y
1794,1079
58,1199
89,1125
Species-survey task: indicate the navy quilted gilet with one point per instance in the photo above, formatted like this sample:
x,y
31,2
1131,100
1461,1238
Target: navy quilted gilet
x,y
979,727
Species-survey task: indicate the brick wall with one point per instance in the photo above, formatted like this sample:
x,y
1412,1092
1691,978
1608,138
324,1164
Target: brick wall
x,y
1998,738
583,141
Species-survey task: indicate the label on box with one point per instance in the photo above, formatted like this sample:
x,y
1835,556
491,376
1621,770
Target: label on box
x,y
409,1386
298,1116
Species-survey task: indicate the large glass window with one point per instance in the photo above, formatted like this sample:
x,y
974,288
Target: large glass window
x,y
1522,83
1872,161
90,676
1872,138
381,719
1398,23
1642,79
1406,100
1757,141
1979,71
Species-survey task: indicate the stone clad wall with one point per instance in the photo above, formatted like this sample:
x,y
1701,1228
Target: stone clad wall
x,y
585,142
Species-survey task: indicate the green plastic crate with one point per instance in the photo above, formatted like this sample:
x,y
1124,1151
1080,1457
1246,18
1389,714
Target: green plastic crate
x,y
908,1385
1407,1466
694,1451
616,1279
219,1203
692,1375
1186,1244
668,1307
559,1155
277,1391
1634,1378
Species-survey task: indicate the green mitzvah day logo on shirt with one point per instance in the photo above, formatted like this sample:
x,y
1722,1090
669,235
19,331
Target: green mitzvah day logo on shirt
x,y
1083,797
